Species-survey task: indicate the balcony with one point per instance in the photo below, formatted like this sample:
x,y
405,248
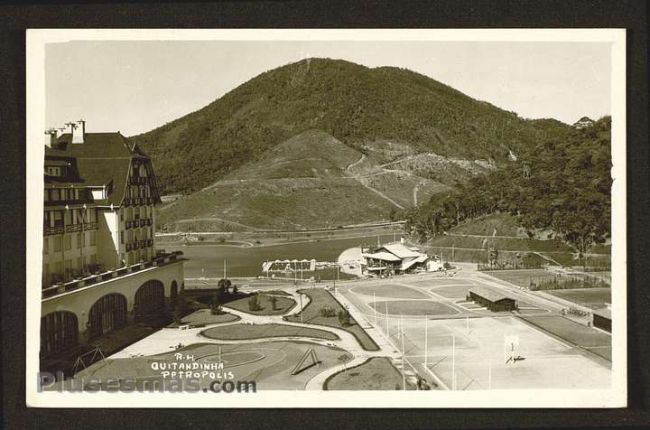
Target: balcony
x,y
49,231
102,276
142,222
60,229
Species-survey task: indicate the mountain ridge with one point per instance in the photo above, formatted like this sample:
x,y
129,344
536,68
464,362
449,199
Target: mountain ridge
x,y
355,104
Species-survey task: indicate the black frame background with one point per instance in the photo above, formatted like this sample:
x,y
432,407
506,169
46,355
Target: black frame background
x,y
17,16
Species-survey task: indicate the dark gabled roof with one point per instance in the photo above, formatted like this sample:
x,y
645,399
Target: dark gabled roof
x,y
604,312
489,294
103,159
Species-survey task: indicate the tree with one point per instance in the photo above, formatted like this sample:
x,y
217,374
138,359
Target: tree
x,y
224,285
253,303
344,318
216,307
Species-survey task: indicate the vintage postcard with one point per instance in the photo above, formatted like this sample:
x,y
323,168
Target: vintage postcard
x,y
326,218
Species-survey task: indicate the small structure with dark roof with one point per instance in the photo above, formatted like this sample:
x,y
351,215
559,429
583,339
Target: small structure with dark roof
x,y
494,300
602,319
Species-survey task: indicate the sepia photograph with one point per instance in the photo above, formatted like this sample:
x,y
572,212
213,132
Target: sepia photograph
x,y
326,218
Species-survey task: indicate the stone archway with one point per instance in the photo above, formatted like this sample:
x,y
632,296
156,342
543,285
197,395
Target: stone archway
x,y
59,331
149,300
107,314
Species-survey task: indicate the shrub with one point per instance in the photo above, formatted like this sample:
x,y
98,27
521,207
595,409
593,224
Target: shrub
x,y
344,318
327,312
253,303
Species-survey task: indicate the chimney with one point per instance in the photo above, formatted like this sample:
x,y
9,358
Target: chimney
x,y
78,131
51,137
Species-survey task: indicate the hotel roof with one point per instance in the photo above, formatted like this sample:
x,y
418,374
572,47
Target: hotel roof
x,y
102,159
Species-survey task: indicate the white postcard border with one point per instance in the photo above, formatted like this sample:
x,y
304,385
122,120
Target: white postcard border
x,y
35,115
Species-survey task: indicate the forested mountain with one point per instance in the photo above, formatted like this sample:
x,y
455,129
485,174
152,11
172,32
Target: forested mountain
x,y
321,143
561,184
361,107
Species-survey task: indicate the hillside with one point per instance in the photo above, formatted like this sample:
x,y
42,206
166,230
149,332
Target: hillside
x,y
365,109
559,188
322,143
311,180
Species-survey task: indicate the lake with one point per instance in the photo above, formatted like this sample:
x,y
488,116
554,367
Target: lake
x,y
207,259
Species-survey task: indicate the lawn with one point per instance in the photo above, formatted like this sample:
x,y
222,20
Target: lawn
x,y
260,331
522,277
594,298
311,315
588,338
413,307
375,374
390,291
282,305
205,316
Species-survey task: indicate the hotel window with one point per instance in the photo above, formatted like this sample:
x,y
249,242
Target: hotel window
x,y
58,218
46,219
46,245
121,214
55,194
67,217
57,244
122,236
79,241
93,238
68,242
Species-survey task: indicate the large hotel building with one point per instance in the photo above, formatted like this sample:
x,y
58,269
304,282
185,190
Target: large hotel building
x,y
101,270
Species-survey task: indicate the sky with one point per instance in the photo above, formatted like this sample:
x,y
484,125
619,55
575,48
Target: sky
x,y
136,86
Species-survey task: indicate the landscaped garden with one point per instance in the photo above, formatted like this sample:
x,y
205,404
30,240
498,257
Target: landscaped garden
x,y
323,309
378,373
263,304
205,316
260,331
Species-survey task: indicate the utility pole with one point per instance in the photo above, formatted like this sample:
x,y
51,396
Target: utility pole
x,y
489,374
374,298
387,328
403,364
453,362
426,340
224,269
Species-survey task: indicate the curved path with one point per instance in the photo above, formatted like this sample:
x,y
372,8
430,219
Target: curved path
x,y
167,339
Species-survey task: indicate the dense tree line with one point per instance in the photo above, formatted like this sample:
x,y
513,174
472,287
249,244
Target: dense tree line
x,y
560,184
